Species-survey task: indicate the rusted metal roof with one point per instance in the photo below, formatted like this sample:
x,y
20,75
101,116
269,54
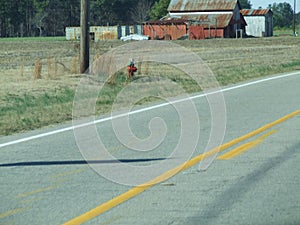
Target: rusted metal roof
x,y
201,5
206,20
166,21
255,12
210,20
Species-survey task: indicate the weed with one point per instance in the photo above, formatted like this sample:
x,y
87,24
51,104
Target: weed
x,y
74,65
55,68
22,67
38,69
49,67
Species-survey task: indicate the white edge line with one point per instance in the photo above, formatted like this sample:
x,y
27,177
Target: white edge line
x,y
144,110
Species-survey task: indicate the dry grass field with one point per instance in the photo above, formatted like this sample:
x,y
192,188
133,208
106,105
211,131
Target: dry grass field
x,y
39,76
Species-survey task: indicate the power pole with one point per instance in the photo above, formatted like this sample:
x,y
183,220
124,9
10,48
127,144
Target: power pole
x,y
295,18
85,36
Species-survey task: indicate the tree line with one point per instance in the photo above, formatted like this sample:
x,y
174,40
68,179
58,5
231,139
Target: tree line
x,y
24,18
283,15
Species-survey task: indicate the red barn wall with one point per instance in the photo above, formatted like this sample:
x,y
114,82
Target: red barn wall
x,y
196,32
212,33
172,32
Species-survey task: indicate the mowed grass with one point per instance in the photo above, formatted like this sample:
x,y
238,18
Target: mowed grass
x,y
286,31
32,39
234,61
28,103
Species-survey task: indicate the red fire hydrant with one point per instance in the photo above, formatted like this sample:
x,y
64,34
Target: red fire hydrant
x,y
131,68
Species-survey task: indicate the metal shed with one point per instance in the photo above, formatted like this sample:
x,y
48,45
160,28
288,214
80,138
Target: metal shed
x,y
73,33
260,22
104,32
98,33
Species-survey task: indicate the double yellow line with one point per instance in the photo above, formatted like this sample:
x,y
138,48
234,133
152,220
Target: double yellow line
x,y
141,188
241,149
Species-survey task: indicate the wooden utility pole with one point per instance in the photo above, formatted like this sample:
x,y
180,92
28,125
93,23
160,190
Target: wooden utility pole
x,y
85,36
295,18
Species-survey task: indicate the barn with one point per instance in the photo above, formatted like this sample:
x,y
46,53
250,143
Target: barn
x,y
202,18
216,25
259,21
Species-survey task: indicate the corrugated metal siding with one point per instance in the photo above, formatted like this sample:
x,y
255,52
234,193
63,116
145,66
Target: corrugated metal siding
x,y
167,21
139,29
127,30
73,33
170,31
256,26
173,32
196,32
210,20
104,32
214,33
201,5
269,25
123,31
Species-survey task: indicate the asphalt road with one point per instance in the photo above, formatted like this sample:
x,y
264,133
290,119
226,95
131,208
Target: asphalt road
x,y
47,181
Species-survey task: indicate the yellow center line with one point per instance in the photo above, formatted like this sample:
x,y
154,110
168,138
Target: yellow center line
x,y
23,195
11,212
245,147
141,188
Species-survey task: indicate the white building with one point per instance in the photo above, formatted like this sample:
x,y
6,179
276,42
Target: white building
x,y
259,22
